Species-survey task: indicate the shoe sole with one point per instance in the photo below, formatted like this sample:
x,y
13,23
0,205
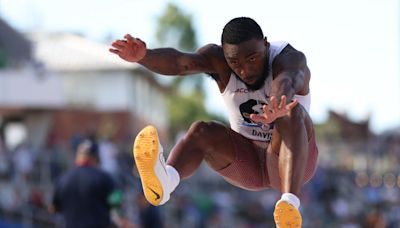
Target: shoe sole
x,y
287,216
145,152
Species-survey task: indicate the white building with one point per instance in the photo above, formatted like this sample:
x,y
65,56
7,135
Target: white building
x,y
73,85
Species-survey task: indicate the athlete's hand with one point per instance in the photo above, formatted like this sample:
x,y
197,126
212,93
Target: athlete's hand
x,y
130,49
274,110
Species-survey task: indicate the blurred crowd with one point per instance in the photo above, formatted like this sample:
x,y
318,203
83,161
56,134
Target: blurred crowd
x,y
338,195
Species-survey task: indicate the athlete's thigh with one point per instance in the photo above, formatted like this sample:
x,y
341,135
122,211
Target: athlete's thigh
x,y
277,138
272,163
247,170
219,149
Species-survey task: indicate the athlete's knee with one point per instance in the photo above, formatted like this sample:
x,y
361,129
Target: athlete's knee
x,y
199,128
203,129
296,116
298,113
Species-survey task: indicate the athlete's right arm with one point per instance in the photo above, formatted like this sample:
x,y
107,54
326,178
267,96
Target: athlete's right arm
x,y
167,61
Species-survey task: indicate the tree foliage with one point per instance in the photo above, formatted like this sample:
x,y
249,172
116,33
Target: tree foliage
x,y
186,102
175,29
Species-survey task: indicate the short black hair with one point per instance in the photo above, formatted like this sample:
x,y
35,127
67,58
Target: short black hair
x,y
241,29
89,147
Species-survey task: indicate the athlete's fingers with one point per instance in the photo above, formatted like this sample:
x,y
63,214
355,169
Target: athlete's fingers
x,y
122,42
114,44
117,46
128,37
135,40
115,51
138,41
292,104
283,101
257,118
266,109
274,102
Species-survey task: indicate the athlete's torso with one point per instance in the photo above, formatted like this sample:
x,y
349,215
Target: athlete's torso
x,y
242,102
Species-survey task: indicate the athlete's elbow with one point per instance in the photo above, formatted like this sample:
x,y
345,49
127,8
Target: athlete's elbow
x,y
294,79
184,69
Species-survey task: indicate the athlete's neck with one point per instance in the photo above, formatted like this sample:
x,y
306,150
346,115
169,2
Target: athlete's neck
x,y
260,81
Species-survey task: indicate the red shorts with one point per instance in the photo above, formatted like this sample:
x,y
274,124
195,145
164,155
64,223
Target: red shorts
x,y
256,166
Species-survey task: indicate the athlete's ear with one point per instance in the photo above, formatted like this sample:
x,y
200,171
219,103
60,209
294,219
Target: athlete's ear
x,y
266,42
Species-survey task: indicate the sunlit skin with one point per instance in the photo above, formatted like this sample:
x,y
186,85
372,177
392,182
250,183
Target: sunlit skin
x,y
209,141
247,60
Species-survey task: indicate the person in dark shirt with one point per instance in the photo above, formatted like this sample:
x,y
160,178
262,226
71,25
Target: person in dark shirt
x,y
149,215
84,195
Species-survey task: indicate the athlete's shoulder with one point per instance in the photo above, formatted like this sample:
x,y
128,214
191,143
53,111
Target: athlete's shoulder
x,y
290,56
215,55
291,59
212,51
290,50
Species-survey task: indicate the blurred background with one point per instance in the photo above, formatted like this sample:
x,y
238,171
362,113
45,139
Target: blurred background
x,y
59,84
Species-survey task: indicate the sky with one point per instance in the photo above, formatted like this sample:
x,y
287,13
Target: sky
x,y
352,46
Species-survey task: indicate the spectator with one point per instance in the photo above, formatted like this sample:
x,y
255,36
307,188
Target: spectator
x,y
149,215
23,160
108,153
4,161
85,195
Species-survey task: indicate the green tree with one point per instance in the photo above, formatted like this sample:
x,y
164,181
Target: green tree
x,y
175,29
186,102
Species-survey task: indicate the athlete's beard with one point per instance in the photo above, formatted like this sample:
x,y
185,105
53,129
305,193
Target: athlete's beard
x,y
261,81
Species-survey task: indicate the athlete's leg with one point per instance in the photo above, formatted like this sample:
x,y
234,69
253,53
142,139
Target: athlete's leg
x,y
209,141
236,158
290,140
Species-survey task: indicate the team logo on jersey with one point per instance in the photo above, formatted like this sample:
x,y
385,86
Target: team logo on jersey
x,y
253,107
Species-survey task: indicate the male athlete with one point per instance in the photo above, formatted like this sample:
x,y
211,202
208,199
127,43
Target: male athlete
x,y
270,142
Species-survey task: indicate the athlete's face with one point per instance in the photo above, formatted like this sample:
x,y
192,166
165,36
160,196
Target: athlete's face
x,y
248,60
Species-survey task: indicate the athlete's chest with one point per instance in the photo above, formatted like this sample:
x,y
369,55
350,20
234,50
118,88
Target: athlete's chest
x,y
240,92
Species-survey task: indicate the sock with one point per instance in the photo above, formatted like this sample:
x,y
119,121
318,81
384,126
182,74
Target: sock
x,y
292,199
173,177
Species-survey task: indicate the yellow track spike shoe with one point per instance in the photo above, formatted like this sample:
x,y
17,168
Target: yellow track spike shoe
x,y
149,159
286,215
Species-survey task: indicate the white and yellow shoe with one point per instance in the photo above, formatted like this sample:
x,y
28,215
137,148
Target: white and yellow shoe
x,y
286,215
149,158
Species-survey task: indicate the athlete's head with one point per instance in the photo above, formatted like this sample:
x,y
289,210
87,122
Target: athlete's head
x,y
246,51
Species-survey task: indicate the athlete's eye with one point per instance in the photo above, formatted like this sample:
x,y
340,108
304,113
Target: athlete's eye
x,y
252,59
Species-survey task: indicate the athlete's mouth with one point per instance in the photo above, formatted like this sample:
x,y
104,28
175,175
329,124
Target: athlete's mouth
x,y
251,80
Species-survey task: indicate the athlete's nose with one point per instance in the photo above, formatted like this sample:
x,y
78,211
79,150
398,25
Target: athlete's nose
x,y
242,73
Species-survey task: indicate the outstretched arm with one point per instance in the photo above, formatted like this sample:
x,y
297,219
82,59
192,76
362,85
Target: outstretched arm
x,y
291,76
167,61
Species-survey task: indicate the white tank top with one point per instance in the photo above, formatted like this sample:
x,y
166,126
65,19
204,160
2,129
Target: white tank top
x,y
241,102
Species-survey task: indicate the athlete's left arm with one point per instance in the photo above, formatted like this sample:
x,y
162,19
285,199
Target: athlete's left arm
x,y
291,74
